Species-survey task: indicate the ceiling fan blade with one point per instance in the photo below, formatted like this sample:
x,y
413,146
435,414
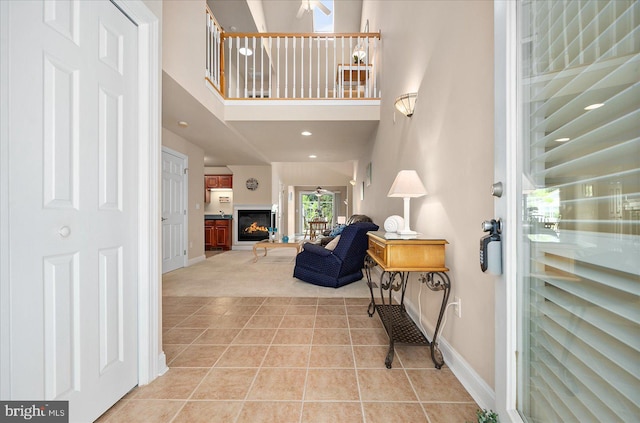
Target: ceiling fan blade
x,y
301,11
323,8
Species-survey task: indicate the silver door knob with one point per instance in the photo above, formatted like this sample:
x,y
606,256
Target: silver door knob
x,y
64,231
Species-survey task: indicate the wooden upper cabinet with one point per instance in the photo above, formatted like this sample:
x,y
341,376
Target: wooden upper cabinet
x,y
215,182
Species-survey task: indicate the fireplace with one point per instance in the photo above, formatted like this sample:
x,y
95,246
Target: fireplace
x,y
252,224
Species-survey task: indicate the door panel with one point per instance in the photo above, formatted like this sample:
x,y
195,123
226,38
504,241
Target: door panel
x,y
173,211
72,149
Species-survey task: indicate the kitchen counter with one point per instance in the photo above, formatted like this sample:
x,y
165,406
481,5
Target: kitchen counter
x,y
218,217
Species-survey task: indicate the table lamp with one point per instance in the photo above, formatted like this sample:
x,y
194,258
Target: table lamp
x,y
406,185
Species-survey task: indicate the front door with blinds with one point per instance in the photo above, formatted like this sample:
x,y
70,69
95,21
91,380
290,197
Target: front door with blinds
x,y
579,234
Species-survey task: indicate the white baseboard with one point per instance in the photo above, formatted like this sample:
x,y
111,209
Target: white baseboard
x,y
162,364
468,377
195,260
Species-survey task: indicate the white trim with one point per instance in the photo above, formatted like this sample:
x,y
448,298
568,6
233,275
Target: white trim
x,y
5,303
185,205
195,260
149,353
506,170
464,372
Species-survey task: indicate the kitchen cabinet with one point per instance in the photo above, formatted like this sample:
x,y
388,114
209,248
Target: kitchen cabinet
x,y
217,234
216,182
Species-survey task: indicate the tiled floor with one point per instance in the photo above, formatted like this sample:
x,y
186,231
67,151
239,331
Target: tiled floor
x,y
275,359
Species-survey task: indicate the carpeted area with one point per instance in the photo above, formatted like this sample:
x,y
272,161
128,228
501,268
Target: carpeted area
x,y
233,273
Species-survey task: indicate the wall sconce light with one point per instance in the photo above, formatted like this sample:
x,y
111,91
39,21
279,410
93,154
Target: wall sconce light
x,y
407,185
352,182
406,103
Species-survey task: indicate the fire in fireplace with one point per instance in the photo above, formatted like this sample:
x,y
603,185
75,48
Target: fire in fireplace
x,y
253,225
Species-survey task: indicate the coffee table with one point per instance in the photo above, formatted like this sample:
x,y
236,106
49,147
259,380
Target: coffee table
x,y
266,245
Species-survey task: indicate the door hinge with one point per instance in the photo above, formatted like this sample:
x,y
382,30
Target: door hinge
x,y
185,170
185,212
185,252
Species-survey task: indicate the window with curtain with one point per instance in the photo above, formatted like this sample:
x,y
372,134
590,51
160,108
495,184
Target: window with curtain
x,y
579,269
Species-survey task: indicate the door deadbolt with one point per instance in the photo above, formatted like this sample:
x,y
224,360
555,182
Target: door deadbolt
x,y
496,189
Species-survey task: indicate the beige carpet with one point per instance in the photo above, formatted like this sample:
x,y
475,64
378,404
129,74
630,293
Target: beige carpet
x,y
234,274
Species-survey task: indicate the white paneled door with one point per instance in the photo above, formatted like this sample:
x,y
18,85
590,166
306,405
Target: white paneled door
x,y
73,151
173,210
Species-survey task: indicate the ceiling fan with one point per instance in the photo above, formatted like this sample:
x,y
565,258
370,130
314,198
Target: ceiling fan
x,y
308,5
321,191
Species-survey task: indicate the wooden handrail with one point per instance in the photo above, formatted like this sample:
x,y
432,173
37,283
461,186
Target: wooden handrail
x,y
301,34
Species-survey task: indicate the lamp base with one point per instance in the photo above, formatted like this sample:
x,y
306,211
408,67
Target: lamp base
x,y
407,232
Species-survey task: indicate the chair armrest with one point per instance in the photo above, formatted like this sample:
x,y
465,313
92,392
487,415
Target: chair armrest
x,y
317,249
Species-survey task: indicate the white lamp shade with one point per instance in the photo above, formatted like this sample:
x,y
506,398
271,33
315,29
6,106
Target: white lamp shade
x,y
406,103
407,184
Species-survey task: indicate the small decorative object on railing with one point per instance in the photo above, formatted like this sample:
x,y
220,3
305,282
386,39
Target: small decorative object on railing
x,y
292,66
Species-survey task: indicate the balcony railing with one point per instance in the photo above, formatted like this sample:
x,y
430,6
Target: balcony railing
x,y
292,66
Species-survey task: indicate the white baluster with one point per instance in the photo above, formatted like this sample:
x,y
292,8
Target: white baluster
x,y
335,65
341,76
350,67
301,68
375,77
318,87
208,66
253,68
286,67
278,69
246,69
310,67
270,68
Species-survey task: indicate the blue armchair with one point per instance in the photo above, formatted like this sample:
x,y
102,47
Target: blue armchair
x,y
320,266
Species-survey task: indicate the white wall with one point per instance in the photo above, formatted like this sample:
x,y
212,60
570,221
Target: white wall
x,y
242,195
195,193
444,51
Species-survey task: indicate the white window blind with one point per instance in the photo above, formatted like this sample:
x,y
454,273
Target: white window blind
x,y
580,250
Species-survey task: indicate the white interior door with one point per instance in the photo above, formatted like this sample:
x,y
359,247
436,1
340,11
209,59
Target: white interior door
x,y
73,151
173,210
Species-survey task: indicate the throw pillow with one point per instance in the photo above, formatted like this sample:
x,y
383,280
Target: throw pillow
x,y
337,230
333,243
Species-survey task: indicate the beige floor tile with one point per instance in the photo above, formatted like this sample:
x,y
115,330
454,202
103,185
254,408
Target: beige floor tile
x,y
301,310
243,356
145,411
331,384
332,310
264,322
171,320
364,322
272,310
331,301
331,322
287,356
358,310
217,336
198,321
369,337
111,411
370,356
357,301
199,356
176,383
414,356
278,384
227,301
331,337
257,301
385,412
385,385
214,309
308,301
293,336
242,310
229,322
255,336
336,356
451,412
181,336
171,351
209,412
225,384
194,300
270,412
332,412
277,301
438,385
297,322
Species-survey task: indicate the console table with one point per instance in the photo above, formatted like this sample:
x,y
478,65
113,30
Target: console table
x,y
397,257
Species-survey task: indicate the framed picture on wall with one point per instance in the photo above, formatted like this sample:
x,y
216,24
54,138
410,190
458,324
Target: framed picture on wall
x,y
368,177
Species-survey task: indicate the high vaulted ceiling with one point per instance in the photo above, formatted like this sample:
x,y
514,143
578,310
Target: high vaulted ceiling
x,y
251,142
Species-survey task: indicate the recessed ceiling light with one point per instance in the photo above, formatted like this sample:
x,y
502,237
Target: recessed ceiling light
x,y
562,139
183,124
306,133
594,106
245,51
312,156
